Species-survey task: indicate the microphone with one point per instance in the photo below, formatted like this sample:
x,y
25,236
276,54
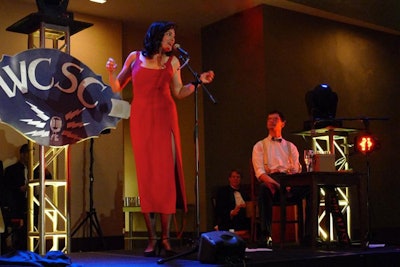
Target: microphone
x,y
180,49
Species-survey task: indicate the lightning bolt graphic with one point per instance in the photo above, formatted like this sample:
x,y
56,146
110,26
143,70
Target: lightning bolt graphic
x,y
71,135
42,133
70,115
38,112
37,124
76,124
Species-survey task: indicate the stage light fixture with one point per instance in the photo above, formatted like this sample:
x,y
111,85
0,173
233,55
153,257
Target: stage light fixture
x,y
321,106
366,143
321,102
52,7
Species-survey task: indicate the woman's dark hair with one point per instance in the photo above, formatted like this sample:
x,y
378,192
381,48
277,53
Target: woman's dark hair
x,y
154,36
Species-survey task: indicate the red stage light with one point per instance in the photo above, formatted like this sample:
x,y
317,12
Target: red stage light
x,y
366,143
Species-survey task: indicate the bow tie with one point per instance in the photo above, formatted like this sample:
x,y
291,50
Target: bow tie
x,y
276,139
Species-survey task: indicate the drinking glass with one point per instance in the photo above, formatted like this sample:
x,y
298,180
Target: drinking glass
x,y
308,159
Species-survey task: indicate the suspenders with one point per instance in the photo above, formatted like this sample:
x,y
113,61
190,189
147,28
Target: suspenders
x,y
265,154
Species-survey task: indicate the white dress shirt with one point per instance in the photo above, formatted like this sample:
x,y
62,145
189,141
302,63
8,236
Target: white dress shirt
x,y
271,156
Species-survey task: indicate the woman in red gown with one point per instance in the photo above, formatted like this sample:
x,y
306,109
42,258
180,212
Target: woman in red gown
x,y
156,77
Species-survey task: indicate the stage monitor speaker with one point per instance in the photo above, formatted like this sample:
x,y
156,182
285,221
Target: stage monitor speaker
x,y
221,247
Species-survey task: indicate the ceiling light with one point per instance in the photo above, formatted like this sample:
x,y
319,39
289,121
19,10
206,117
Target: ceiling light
x,y
99,1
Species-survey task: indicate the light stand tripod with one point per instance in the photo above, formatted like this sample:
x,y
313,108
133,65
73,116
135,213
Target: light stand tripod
x,y
91,214
369,146
368,234
195,247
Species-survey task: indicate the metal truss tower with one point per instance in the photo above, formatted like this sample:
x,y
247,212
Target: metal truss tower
x,y
48,200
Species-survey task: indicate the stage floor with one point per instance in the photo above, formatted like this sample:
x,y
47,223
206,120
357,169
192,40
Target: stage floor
x,y
298,256
293,256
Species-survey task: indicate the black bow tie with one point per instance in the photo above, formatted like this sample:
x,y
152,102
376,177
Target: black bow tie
x,y
276,139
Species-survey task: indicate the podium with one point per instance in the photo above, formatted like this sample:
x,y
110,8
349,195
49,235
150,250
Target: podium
x,y
316,181
332,139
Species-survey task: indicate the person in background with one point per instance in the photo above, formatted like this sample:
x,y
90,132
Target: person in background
x,y
271,157
2,208
15,189
2,194
230,206
15,202
156,78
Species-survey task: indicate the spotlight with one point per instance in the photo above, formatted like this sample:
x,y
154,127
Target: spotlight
x,y
53,8
321,106
321,102
50,12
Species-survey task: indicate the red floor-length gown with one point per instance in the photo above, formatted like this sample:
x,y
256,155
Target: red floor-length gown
x,y
153,124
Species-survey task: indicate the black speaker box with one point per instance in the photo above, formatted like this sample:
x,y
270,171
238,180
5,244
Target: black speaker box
x,y
221,247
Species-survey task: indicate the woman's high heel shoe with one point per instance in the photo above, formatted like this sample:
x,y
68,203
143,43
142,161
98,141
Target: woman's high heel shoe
x,y
151,252
165,245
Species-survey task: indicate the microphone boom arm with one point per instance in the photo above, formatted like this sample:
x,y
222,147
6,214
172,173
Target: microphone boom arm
x,y
185,61
196,76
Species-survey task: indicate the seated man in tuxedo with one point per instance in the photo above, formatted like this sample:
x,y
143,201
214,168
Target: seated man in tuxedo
x,y
231,207
273,156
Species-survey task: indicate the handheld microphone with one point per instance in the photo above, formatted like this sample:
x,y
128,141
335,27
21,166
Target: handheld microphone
x,y
180,49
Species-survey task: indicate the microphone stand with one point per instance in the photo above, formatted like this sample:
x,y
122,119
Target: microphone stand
x,y
195,247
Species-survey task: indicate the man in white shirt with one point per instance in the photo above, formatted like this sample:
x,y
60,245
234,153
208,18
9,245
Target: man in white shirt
x,y
273,156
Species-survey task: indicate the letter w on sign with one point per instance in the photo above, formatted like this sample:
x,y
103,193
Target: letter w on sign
x,y
54,99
